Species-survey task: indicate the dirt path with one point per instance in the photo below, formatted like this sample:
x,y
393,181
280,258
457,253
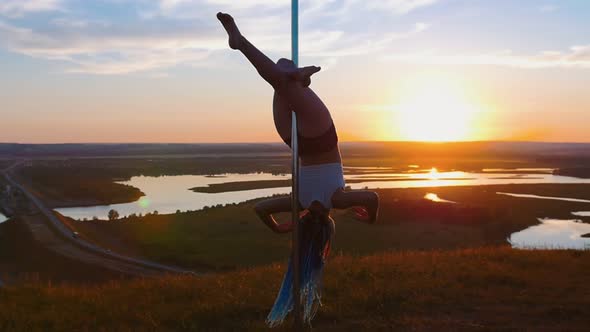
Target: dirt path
x,y
48,239
51,233
23,259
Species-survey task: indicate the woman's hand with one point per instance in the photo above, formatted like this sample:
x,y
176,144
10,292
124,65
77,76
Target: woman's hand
x,y
284,227
361,214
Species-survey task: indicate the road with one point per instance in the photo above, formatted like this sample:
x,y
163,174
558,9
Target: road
x,y
54,235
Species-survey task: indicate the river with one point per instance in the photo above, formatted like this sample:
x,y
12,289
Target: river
x,y
167,194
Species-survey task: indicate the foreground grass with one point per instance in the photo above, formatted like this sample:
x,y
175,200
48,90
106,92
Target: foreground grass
x,y
493,288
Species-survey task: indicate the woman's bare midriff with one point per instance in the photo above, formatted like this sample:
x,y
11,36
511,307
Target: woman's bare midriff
x,y
329,157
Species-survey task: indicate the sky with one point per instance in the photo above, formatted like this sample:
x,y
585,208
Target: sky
x,y
427,70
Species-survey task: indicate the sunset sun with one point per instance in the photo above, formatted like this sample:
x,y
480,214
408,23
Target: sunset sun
x,y
436,110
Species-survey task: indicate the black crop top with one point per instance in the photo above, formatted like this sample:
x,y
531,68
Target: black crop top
x,y
314,145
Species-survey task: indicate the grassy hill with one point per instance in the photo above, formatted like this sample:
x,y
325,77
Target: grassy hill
x,y
233,236
485,289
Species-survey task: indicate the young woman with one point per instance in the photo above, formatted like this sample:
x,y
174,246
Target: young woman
x,y
321,179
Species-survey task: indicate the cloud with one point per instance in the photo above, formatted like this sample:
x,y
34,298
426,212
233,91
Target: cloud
x,y
191,9
167,4
242,4
575,57
18,8
548,8
111,52
78,23
400,6
168,33
131,62
338,44
186,9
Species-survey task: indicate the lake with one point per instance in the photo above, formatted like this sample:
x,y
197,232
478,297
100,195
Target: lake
x,y
167,194
581,213
551,198
553,234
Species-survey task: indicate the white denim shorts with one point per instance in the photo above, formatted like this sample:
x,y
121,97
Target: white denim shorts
x,y
319,182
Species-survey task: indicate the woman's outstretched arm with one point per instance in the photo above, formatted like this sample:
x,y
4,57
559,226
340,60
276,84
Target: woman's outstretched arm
x,y
265,209
368,200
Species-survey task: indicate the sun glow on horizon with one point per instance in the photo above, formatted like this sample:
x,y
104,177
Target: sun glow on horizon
x,y
436,109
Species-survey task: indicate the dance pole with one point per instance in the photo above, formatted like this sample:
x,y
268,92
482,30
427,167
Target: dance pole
x,y
297,310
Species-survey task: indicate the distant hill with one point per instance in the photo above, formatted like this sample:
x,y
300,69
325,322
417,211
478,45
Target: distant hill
x,y
133,149
537,150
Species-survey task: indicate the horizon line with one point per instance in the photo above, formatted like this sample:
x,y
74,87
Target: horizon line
x,y
280,142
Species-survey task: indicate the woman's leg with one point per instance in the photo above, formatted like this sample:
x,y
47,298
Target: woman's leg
x,y
282,116
271,72
313,116
368,199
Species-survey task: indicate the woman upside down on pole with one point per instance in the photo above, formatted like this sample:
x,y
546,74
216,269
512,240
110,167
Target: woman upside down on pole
x,y
321,176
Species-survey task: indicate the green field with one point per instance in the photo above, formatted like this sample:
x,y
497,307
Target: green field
x,y
233,237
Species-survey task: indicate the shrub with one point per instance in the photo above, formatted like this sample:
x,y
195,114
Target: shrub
x,y
113,215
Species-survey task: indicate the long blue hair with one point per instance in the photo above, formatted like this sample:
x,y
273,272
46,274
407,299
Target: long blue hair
x,y
317,230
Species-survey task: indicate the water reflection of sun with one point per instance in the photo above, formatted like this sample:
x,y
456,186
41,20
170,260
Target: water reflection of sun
x,y
432,197
433,174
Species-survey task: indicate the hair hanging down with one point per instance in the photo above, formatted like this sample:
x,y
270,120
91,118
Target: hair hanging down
x,y
316,235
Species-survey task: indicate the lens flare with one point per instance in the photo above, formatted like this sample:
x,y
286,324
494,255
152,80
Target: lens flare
x,y
144,202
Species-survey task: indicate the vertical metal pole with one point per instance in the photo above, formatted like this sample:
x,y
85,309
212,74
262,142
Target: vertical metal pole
x,y
297,310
